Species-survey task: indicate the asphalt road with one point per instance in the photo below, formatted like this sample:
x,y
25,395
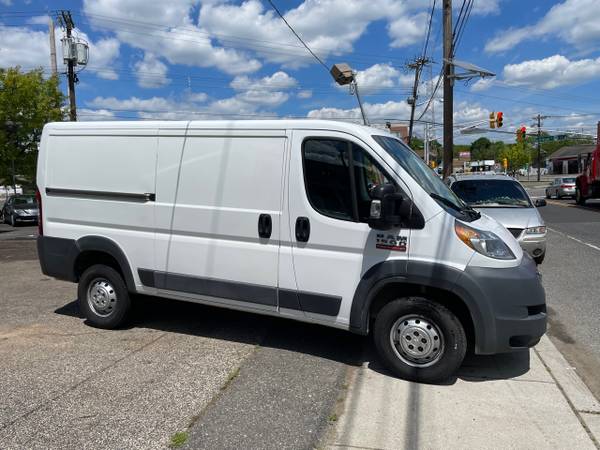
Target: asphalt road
x,y
8,233
228,379
571,276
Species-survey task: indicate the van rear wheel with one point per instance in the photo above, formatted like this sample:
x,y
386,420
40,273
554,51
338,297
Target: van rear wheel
x,y
103,297
419,340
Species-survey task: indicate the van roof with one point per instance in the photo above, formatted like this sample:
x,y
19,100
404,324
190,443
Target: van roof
x,y
278,124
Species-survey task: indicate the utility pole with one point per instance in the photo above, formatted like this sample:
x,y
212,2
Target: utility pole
x,y
539,118
448,89
69,25
52,46
417,66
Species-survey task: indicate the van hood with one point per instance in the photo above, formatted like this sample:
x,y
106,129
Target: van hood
x,y
514,217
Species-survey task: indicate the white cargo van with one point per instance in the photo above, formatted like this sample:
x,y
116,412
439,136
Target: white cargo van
x,y
318,221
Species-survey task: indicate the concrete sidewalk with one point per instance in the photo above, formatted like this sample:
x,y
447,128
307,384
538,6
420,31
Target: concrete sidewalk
x,y
524,400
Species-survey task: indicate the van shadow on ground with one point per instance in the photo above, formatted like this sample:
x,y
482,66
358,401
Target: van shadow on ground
x,y
319,341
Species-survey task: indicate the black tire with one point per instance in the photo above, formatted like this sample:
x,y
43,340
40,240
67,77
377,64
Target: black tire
x,y
539,259
579,198
13,220
112,285
450,356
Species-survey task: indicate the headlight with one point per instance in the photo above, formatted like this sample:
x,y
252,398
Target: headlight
x,y
484,242
536,230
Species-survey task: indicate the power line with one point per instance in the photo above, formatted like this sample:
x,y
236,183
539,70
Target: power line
x,y
297,35
424,52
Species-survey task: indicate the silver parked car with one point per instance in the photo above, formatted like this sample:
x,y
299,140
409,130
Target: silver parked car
x,y
504,199
561,187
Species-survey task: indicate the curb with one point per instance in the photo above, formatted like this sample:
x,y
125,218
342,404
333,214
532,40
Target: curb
x,y
578,396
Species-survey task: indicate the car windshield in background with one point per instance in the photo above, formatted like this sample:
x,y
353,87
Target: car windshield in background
x,y
24,201
568,180
417,169
482,193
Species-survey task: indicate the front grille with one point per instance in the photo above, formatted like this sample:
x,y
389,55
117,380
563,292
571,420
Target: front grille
x,y
516,232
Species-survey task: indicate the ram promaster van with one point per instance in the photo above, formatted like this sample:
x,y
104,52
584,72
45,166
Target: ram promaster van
x,y
325,222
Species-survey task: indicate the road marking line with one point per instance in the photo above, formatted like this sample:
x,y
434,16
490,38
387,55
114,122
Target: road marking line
x,y
570,205
595,247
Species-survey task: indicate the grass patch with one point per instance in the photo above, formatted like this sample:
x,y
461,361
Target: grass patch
x,y
178,439
333,418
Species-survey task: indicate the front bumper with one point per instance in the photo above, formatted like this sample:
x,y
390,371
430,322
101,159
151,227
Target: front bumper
x,y
512,306
534,245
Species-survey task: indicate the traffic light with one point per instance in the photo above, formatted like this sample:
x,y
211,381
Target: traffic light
x,y
505,163
499,118
521,133
492,120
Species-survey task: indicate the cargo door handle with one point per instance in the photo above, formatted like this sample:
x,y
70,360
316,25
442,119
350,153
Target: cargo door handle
x,y
302,229
265,226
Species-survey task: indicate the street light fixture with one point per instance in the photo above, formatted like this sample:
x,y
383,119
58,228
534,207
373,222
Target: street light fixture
x,y
343,74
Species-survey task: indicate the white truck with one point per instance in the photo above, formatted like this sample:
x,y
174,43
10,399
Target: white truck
x,y
319,221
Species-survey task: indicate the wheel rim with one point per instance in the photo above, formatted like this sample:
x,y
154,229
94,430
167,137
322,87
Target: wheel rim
x,y
417,340
101,297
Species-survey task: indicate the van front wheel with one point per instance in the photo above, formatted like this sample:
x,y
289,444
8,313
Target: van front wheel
x,y
419,340
103,297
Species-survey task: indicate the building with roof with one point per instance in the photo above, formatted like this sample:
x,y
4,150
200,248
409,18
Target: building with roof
x,y
569,160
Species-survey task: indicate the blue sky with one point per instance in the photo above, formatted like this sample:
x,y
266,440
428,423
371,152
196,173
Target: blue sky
x,y
206,59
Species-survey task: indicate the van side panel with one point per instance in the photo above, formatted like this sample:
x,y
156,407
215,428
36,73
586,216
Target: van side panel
x,y
95,184
225,184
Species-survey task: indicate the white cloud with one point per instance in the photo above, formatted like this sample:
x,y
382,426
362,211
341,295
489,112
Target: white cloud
x,y
304,93
197,97
573,21
407,30
485,7
552,72
483,84
377,77
466,112
254,96
6,2
38,20
29,48
177,39
374,111
151,72
86,114
23,47
267,91
103,54
267,35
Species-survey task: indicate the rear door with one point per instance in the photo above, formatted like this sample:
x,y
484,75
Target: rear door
x,y
224,235
330,177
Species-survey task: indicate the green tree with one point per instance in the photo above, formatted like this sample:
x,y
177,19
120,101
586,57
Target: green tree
x,y
517,155
481,149
27,102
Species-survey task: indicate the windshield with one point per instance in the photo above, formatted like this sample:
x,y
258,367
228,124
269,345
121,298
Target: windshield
x,y
568,180
492,193
417,169
24,201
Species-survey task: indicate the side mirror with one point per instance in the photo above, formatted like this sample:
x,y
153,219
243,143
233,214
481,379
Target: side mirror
x,y
540,202
389,208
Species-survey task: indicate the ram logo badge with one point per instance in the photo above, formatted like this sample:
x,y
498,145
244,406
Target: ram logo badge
x,y
391,242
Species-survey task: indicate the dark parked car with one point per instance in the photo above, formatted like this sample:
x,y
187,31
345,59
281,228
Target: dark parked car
x,y
20,209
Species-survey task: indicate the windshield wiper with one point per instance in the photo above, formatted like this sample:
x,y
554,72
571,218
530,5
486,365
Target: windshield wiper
x,y
467,209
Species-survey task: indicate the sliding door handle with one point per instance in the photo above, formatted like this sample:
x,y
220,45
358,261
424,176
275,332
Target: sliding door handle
x,y
302,229
265,226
